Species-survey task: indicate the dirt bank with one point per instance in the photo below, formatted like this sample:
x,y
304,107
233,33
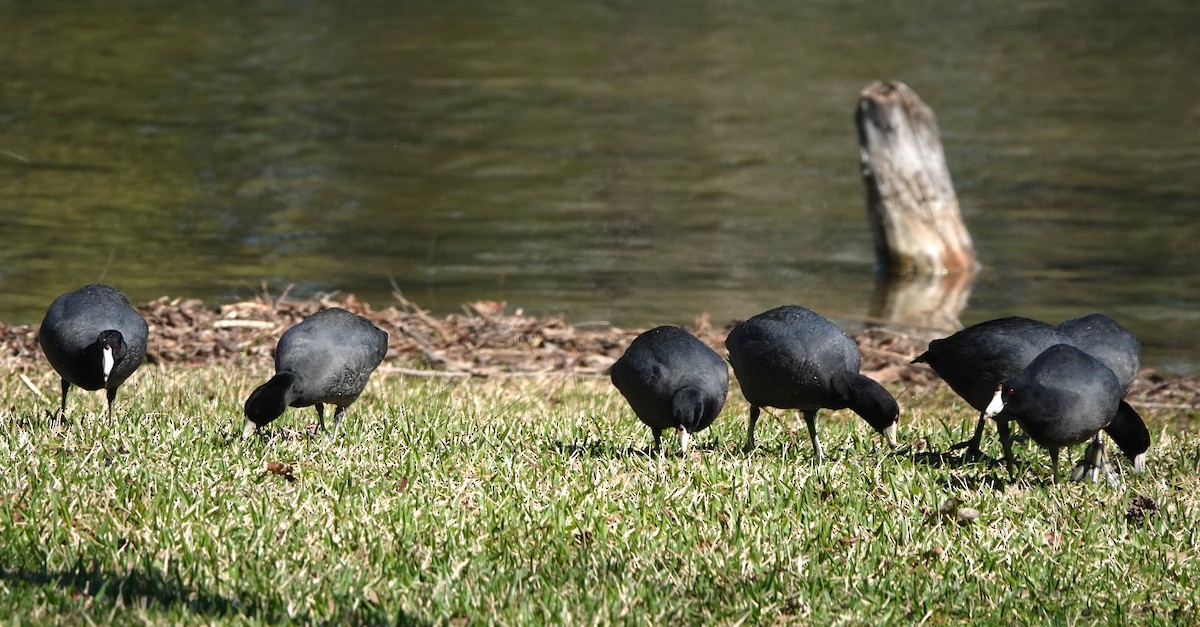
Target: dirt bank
x,y
485,341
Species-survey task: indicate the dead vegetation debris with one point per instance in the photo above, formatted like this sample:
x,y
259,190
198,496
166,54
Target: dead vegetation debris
x,y
1141,508
486,340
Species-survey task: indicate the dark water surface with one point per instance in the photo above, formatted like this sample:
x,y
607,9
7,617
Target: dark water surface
x,y
633,162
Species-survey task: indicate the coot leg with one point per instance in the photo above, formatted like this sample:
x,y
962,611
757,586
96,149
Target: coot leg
x,y
1006,441
321,417
1103,460
973,452
337,422
1094,461
810,418
66,386
754,409
112,396
1086,466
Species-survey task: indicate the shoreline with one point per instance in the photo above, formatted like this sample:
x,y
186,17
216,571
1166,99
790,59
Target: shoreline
x,y
484,341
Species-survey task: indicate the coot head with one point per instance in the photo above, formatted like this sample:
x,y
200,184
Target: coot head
x,y
112,349
878,407
271,399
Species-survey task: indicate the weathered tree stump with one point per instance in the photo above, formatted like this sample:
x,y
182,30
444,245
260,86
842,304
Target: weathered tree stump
x,y
925,253
911,202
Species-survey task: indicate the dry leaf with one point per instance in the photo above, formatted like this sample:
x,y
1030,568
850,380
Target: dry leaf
x,y
281,469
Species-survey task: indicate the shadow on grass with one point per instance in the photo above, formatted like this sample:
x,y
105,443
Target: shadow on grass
x,y
152,588
985,475
606,450
273,433
37,421
990,481
149,587
940,459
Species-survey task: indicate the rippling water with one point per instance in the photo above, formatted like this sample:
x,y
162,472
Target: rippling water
x,y
631,162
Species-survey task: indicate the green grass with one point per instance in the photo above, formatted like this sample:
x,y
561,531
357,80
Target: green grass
x,y
526,501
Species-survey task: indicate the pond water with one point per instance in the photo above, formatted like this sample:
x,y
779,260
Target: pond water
x,y
623,161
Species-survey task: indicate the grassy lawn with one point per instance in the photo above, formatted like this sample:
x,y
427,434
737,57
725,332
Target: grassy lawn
x,y
522,501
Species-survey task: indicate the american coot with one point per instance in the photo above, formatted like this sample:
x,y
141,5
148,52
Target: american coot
x,y
1118,348
975,360
672,381
794,358
327,358
94,339
1063,397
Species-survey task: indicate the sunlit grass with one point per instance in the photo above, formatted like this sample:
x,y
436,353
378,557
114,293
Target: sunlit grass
x,y
525,501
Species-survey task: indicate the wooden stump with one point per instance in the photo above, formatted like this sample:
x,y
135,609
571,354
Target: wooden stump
x,y
910,200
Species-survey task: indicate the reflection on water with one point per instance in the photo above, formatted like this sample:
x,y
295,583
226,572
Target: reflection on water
x,y
622,161
926,305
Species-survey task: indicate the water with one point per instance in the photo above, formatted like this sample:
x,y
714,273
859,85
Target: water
x,y
631,162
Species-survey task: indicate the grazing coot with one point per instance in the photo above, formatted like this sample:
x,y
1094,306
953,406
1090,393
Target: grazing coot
x,y
326,358
672,381
975,360
1118,348
793,358
94,339
1064,397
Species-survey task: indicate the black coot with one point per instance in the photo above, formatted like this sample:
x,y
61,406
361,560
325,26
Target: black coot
x,y
1063,397
94,339
1118,348
794,358
326,358
975,360
672,381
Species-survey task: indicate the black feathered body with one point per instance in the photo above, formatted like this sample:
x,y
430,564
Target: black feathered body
x,y
1112,344
1064,397
1117,348
793,358
976,359
325,359
332,353
69,336
671,379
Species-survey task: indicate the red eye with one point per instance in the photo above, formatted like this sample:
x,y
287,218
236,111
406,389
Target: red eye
x,y
1010,392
